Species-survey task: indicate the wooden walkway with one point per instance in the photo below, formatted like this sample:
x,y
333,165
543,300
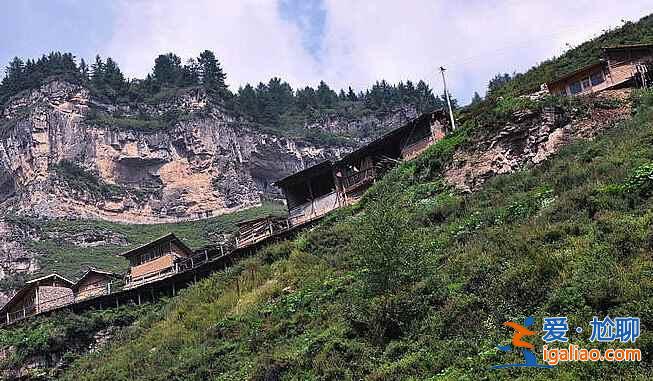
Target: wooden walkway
x,y
152,286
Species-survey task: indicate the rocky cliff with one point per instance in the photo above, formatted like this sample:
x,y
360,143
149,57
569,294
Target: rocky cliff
x,y
65,154
532,136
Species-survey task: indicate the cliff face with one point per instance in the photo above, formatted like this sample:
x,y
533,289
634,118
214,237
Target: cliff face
x,y
533,136
64,154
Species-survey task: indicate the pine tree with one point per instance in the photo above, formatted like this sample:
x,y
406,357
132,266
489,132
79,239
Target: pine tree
x,y
113,77
190,75
211,75
498,81
325,96
247,102
83,70
351,95
167,69
97,72
476,99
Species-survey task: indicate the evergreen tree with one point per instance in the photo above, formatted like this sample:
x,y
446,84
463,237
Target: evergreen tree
x,y
97,72
113,77
306,98
83,70
190,75
211,75
247,101
14,76
351,95
476,99
325,96
279,97
498,81
167,69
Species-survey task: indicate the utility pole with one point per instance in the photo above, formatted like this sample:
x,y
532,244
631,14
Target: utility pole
x,y
446,94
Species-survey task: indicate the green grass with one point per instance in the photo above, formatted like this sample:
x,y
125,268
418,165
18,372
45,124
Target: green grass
x,y
69,260
415,281
125,123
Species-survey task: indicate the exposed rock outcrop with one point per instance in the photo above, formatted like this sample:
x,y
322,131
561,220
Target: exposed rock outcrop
x,y
529,139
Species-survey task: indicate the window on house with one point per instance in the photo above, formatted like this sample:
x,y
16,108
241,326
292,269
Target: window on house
x,y
586,84
575,88
597,78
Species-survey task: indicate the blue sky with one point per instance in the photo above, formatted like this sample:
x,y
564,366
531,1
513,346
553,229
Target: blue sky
x,y
344,42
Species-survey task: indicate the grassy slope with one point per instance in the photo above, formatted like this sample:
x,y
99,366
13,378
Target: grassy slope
x,y
418,284
68,259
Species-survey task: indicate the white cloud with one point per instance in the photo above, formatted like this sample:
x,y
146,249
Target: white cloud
x,y
365,40
249,37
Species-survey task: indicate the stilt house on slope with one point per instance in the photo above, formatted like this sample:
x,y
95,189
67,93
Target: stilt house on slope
x,y
310,193
157,259
94,283
37,296
319,189
357,171
620,67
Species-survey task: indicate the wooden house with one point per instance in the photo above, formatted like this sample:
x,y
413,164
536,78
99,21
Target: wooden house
x,y
155,260
37,296
310,193
94,283
621,66
257,229
356,172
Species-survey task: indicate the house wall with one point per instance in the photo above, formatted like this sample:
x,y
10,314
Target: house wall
x,y
178,250
50,297
563,87
27,301
93,285
313,209
159,264
413,150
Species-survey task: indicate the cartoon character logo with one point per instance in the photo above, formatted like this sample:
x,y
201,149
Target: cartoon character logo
x,y
521,331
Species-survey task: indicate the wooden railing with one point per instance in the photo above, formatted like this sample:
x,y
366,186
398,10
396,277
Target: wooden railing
x,y
260,230
180,265
356,179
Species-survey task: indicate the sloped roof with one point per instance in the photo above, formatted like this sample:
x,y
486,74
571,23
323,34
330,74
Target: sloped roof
x,y
31,285
91,271
316,169
170,237
388,137
50,276
577,71
628,46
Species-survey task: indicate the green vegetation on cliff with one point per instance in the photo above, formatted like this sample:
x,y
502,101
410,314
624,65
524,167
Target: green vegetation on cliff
x,y
416,280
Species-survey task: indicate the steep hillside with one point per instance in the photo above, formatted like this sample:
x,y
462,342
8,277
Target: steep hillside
x,y
414,282
69,153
